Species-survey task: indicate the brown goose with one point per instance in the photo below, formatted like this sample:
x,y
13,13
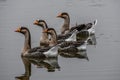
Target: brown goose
x,y
68,46
66,25
35,52
44,38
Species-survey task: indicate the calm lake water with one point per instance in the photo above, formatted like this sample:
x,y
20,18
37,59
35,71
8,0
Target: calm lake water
x,y
104,57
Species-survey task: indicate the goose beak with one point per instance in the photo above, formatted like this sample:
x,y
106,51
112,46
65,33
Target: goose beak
x,y
59,15
36,22
18,29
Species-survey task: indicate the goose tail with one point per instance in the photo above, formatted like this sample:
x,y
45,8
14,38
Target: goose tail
x,y
95,22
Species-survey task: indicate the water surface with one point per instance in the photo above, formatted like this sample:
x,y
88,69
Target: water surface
x,y
104,57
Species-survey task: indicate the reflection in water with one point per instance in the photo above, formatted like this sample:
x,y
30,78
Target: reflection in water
x,y
96,3
74,54
27,66
50,64
69,3
92,40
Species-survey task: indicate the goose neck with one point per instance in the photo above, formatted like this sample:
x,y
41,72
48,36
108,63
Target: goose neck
x,y
27,43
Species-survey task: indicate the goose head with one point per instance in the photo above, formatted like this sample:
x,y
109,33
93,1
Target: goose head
x,y
41,23
22,30
53,36
63,15
50,31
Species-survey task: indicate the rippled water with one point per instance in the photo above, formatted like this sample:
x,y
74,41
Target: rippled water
x,y
104,57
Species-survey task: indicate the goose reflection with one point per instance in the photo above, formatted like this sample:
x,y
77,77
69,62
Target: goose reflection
x,y
49,63
80,54
27,66
92,40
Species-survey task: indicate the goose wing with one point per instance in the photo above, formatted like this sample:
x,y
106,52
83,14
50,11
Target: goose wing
x,y
36,55
89,25
78,27
59,37
38,49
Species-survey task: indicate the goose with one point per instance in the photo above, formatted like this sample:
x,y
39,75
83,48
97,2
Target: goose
x,y
68,46
44,38
33,52
66,26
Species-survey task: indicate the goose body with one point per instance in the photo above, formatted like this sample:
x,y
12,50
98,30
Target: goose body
x,y
34,52
68,46
89,26
73,44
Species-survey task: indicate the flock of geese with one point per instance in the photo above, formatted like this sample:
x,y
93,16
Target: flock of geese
x,y
71,42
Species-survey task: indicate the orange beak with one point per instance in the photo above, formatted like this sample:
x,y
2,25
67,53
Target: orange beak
x,y
36,22
18,29
45,31
59,15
